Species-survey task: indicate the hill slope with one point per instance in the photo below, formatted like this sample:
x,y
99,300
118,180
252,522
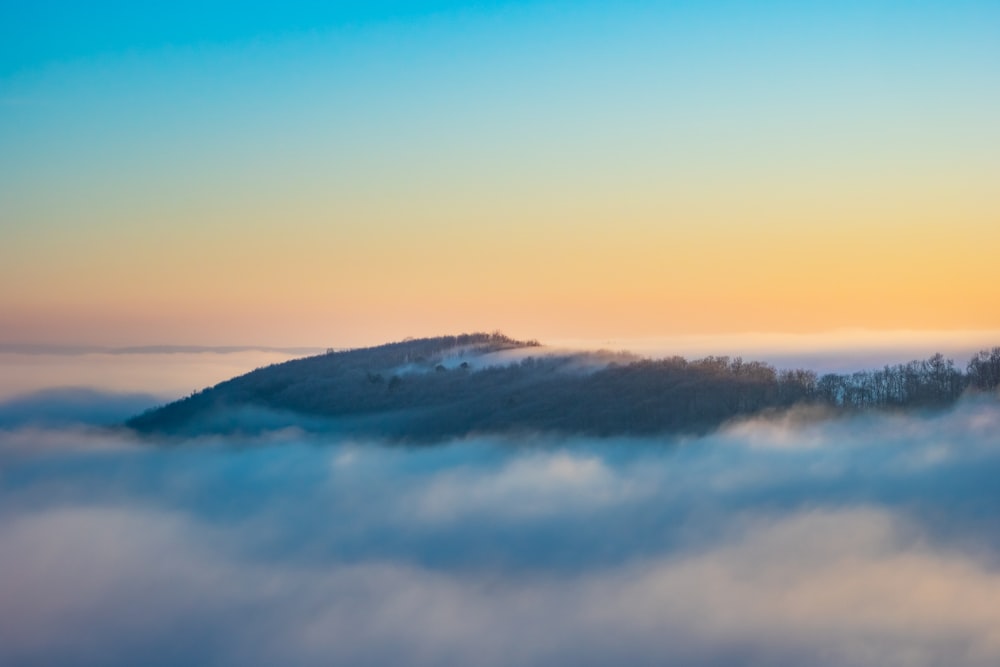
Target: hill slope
x,y
487,383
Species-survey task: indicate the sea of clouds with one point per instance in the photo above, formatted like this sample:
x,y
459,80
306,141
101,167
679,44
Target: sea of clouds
x,y
793,539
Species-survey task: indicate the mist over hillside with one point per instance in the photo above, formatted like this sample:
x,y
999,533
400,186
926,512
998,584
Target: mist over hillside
x,y
453,386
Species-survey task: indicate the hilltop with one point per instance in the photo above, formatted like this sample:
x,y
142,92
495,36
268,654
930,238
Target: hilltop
x,y
453,386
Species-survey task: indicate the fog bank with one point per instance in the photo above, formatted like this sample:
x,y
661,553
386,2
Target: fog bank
x,y
781,541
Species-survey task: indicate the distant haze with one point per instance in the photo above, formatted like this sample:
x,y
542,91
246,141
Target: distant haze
x,y
167,375
834,351
171,372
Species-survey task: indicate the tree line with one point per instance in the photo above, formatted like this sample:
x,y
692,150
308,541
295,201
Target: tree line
x,y
375,391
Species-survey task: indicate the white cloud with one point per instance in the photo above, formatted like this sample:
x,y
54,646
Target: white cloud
x,y
531,485
873,545
846,587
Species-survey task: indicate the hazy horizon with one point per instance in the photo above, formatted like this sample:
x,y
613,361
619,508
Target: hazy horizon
x,y
170,372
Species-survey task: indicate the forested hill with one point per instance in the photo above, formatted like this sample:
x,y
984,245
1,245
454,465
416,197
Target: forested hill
x,y
487,383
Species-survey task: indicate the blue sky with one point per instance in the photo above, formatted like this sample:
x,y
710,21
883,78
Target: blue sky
x,y
34,34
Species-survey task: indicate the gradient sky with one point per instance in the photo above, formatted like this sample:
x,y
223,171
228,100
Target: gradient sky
x,y
318,173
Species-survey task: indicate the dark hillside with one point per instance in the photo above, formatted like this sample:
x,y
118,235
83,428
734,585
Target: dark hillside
x,y
487,383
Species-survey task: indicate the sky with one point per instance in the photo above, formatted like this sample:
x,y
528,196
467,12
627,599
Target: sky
x,y
347,173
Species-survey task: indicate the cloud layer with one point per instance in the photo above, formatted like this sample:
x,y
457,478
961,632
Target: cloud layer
x,y
779,541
